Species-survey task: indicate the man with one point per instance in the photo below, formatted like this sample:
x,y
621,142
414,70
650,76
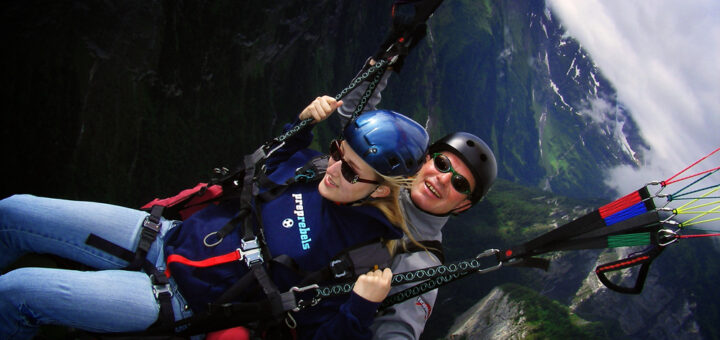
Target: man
x,y
458,172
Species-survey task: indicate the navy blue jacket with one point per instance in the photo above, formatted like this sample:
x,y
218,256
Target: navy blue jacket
x,y
299,223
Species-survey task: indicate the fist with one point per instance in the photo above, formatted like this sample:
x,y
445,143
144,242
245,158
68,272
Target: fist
x,y
320,108
374,286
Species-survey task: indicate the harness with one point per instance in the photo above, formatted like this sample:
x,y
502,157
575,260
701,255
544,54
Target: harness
x,y
248,183
245,183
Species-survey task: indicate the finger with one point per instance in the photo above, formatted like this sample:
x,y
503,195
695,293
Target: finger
x,y
387,274
327,104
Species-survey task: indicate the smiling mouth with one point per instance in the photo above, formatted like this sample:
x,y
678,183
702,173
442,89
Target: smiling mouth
x,y
331,182
432,189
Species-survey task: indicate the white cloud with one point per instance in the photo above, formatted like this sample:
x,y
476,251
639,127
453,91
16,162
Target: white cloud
x,y
663,57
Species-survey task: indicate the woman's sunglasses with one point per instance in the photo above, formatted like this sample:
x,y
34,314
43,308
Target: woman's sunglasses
x,y
458,181
347,172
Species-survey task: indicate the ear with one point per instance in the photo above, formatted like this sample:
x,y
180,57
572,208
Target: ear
x,y
462,206
381,191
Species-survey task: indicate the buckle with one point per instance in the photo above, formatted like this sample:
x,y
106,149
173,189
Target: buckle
x,y
301,304
152,224
250,251
161,289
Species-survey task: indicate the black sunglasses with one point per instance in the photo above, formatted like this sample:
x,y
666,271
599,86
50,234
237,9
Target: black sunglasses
x,y
347,172
458,181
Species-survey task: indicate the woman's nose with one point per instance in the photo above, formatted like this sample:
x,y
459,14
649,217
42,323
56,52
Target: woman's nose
x,y
333,166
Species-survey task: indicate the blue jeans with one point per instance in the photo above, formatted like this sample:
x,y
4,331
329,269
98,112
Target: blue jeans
x,y
109,300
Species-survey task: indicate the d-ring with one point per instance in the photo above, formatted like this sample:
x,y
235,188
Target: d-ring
x,y
205,240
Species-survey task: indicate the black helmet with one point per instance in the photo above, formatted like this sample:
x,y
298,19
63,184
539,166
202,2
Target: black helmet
x,y
476,155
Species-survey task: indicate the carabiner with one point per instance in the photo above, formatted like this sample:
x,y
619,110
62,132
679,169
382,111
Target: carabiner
x,y
487,253
666,233
657,193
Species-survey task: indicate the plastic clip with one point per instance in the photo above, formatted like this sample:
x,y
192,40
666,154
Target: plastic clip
x,y
250,251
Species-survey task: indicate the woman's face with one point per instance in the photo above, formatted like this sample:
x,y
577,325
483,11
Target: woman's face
x,y
336,188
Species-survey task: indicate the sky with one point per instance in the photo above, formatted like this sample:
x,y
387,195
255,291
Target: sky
x,y
663,57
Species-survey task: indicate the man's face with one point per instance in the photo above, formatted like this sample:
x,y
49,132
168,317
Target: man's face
x,y
432,190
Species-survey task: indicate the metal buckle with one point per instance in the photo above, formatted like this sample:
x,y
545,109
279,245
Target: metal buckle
x,y
250,251
302,304
150,224
161,289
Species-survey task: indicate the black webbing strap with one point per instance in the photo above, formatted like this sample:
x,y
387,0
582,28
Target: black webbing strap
x,y
160,282
313,170
643,259
163,294
591,224
148,233
137,260
433,246
648,222
110,248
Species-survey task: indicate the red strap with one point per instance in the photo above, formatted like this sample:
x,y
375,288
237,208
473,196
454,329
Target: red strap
x,y
620,204
209,262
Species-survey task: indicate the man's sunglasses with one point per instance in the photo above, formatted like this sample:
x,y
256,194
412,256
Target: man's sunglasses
x,y
458,181
347,172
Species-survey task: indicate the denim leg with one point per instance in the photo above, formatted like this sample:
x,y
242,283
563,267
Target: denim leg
x,y
102,301
30,224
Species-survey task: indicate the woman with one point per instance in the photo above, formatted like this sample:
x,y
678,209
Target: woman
x,y
353,203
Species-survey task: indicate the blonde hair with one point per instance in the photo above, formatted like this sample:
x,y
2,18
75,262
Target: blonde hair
x,y
390,207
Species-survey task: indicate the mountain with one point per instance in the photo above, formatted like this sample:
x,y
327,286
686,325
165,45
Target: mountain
x,y
124,101
521,313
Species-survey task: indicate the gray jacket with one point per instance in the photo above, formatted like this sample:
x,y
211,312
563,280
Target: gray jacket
x,y
405,320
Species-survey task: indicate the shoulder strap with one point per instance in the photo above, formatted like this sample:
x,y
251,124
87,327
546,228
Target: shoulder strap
x,y
313,170
433,246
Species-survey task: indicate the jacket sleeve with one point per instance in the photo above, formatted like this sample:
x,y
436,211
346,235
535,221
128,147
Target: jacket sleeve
x,y
299,141
406,320
352,322
352,99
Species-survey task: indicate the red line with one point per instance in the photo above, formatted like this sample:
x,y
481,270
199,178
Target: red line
x,y
623,264
691,176
699,235
670,180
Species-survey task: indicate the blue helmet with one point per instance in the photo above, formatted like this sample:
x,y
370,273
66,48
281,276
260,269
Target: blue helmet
x,y
393,144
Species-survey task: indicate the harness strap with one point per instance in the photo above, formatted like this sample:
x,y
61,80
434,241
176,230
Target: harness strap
x,y
163,294
433,246
160,283
209,262
149,231
594,223
643,259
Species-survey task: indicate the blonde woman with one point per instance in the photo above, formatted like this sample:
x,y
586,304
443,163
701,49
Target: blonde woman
x,y
355,202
